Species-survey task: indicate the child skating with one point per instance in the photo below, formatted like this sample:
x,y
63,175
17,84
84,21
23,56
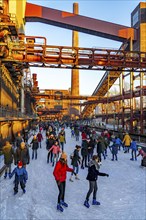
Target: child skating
x,y
21,177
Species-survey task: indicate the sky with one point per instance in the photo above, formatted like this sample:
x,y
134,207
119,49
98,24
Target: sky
x,y
118,12
122,195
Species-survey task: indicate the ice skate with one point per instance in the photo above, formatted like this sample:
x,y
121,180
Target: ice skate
x,y
71,180
94,202
59,208
86,203
64,204
77,178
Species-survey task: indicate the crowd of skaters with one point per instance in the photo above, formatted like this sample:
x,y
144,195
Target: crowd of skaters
x,y
93,148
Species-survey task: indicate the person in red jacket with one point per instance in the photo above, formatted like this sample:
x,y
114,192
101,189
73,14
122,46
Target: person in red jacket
x,y
40,138
59,173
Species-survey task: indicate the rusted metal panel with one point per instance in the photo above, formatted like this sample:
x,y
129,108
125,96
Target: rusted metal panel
x,y
35,13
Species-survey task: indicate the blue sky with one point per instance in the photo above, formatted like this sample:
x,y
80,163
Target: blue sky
x,y
112,11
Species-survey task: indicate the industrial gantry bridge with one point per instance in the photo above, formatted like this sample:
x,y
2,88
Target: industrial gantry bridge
x,y
19,91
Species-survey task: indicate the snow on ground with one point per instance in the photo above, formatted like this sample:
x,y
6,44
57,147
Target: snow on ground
x,y
122,195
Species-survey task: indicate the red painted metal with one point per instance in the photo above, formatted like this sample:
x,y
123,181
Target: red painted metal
x,y
36,13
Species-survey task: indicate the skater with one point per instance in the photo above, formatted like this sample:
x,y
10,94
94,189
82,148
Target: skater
x,y
35,146
75,161
93,173
21,177
143,154
77,133
133,150
114,150
101,147
55,150
59,173
49,143
84,153
127,142
22,153
8,153
118,142
62,140
18,140
40,138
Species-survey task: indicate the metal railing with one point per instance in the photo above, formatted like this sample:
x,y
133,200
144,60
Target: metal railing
x,y
7,112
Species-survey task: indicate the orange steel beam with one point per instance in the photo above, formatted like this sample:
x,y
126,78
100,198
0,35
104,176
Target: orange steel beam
x,y
37,55
115,98
62,97
36,13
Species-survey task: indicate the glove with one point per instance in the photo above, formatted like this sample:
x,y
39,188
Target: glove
x,y
10,175
107,175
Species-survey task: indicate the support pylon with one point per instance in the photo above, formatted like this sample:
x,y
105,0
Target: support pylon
x,y
75,73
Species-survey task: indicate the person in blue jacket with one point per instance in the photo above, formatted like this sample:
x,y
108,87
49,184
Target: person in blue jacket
x,y
21,177
133,149
92,176
118,142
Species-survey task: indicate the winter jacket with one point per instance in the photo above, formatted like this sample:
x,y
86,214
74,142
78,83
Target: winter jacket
x,y
61,138
77,132
100,148
55,149
114,148
84,136
19,139
84,149
23,155
127,140
93,171
118,141
8,154
91,146
49,143
60,171
39,137
76,158
35,144
142,153
133,145
20,174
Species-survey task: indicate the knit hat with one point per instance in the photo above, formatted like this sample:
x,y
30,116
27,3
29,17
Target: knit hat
x,y
20,164
64,156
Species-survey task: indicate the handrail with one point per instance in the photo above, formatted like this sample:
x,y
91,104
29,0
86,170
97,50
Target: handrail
x,y
75,57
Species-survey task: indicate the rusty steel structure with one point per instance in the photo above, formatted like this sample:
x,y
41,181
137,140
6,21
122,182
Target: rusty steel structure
x,y
19,52
37,55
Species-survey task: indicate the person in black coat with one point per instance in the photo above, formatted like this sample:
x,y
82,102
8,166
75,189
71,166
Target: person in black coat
x,y
92,176
35,146
49,143
22,154
75,161
84,153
